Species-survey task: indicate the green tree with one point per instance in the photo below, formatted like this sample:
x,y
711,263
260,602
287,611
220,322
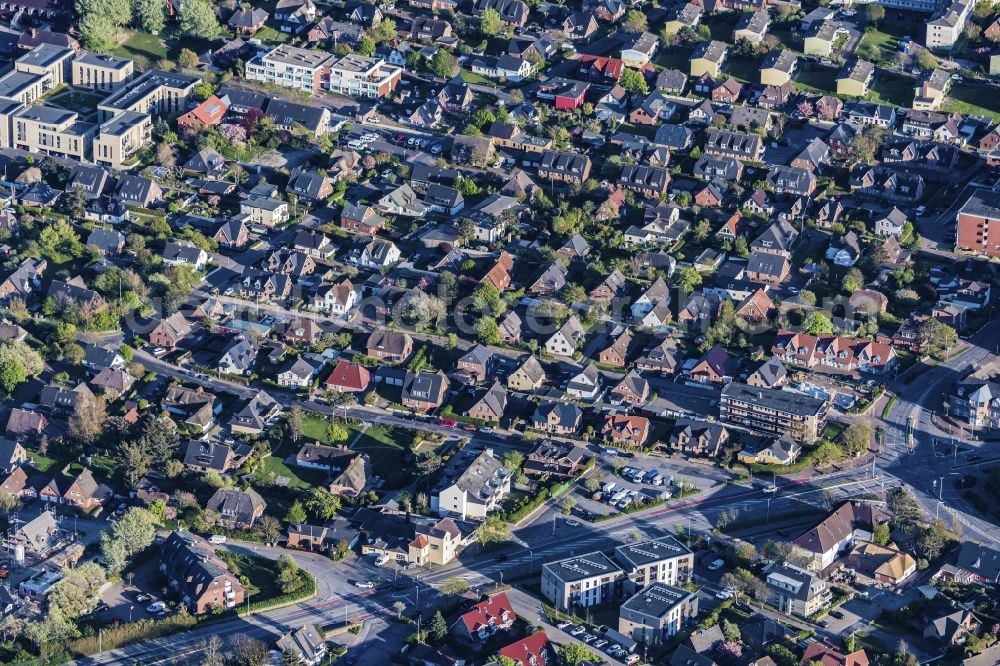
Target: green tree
x,y
438,628
688,278
857,438
444,64
487,331
817,323
902,506
127,537
290,576
635,21
574,653
366,46
322,504
512,460
97,33
187,59
493,529
633,81
296,513
76,593
337,433
384,31
489,22
926,59
936,337
874,13
150,15
455,586
568,504
881,534
197,18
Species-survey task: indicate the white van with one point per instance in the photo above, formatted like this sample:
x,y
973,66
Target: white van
x,y
217,539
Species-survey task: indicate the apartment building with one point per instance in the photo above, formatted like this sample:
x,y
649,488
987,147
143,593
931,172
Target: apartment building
x,y
49,62
778,67
944,29
154,92
121,137
36,72
773,411
665,560
200,578
582,581
974,217
100,71
657,613
795,591
856,78
292,67
471,488
46,129
929,93
359,76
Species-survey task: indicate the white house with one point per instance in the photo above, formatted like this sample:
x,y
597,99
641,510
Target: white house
x,y
657,293
176,253
564,341
336,299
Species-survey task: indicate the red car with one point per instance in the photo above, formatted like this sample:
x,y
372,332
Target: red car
x,y
449,423
400,138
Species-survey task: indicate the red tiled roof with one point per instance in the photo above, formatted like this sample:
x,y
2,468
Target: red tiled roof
x,y
349,375
210,112
497,608
536,645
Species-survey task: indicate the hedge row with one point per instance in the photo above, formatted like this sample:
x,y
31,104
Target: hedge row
x,y
307,591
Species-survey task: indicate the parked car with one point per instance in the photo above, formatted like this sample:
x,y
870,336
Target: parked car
x,y
217,539
837,614
716,565
156,607
364,584
576,631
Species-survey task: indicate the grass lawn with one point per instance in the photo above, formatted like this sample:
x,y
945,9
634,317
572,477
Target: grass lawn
x,y
389,451
144,44
744,70
43,463
788,39
301,477
77,101
721,25
675,58
966,99
260,572
877,46
892,89
469,77
821,80
269,34
314,428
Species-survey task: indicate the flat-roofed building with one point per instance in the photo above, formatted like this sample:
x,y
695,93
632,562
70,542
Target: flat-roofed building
x,y
154,92
48,61
22,86
46,129
121,137
656,613
360,76
773,411
663,560
582,581
292,67
101,71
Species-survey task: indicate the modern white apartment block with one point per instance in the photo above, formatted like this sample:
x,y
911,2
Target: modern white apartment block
x,y
359,76
291,67
582,581
664,560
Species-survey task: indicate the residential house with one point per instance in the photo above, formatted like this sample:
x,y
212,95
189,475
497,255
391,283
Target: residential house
x,y
237,508
699,438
